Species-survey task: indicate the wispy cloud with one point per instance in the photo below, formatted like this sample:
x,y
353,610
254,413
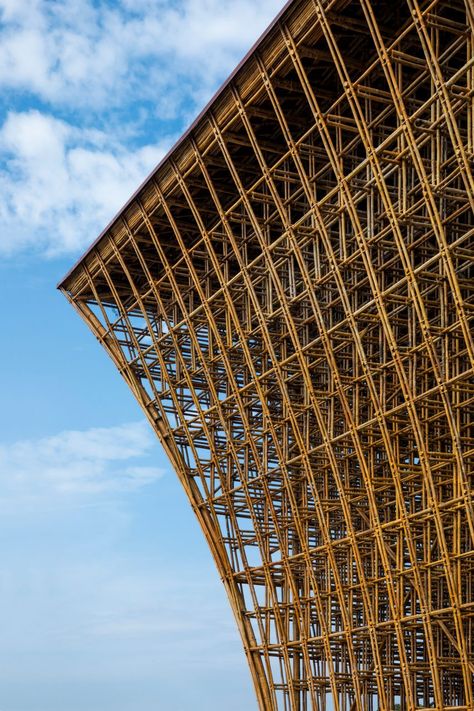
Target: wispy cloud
x,y
90,583
71,463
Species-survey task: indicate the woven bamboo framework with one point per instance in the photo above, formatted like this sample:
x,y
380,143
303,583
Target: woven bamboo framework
x,y
289,298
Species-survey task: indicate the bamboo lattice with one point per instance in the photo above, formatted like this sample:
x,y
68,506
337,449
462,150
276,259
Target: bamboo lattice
x,y
289,298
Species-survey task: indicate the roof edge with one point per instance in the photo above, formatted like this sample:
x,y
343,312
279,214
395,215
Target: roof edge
x,y
62,284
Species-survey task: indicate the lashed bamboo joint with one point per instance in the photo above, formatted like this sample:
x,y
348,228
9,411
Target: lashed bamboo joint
x,y
288,297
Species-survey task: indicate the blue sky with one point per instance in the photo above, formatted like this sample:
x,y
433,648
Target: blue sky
x,y
109,598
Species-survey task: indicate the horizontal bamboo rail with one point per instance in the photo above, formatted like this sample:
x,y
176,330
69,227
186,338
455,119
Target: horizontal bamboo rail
x,y
289,296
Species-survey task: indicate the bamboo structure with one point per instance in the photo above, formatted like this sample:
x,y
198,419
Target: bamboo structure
x,y
288,296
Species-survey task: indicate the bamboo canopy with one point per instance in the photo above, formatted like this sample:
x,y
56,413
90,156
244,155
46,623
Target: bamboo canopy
x,y
289,297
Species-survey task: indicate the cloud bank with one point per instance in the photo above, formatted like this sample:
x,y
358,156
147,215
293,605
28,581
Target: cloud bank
x,y
104,592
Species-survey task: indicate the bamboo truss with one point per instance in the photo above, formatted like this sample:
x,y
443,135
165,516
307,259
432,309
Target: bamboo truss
x,y
289,298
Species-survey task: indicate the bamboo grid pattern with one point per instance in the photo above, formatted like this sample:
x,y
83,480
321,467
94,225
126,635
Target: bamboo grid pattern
x,y
289,298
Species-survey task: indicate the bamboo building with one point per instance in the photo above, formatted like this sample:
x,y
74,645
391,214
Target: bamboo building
x,y
289,296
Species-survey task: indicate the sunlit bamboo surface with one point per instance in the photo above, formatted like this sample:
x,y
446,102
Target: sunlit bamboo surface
x,y
289,298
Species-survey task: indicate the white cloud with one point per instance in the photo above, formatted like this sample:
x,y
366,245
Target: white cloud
x,y
126,65
61,185
85,53
94,461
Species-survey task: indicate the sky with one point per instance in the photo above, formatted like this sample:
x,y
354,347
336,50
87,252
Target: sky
x,y
109,600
